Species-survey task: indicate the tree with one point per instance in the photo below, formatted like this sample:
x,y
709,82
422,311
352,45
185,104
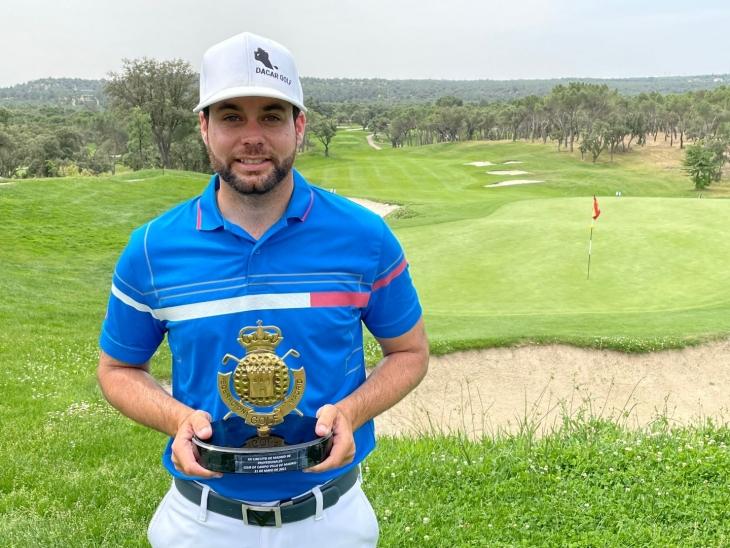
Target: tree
x,y
487,121
448,121
363,116
190,154
323,128
449,101
719,149
44,153
4,116
512,116
617,131
10,159
70,142
564,104
679,107
110,135
164,90
703,164
472,120
397,130
378,124
650,107
595,142
139,131
533,106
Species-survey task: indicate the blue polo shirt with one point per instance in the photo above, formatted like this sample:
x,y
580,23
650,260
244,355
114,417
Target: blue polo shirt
x,y
324,269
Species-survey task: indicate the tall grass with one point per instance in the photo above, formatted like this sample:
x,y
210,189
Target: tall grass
x,y
589,483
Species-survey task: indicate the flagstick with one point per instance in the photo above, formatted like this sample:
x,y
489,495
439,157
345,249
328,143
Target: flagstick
x,y
590,244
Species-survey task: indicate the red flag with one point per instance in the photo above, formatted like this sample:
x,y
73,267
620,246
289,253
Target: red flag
x,y
596,211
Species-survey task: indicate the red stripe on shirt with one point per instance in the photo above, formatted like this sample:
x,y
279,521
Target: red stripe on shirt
x,y
309,207
200,217
323,299
390,277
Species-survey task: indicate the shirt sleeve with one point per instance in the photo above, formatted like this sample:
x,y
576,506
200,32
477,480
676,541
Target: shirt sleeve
x,y
131,333
393,308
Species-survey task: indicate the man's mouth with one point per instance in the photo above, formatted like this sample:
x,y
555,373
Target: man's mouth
x,y
252,163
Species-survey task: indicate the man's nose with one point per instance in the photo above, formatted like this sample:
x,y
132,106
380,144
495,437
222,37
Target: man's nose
x,y
252,133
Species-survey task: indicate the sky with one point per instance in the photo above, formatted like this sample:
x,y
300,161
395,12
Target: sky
x,y
395,39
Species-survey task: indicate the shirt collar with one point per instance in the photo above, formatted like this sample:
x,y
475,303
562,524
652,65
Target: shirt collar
x,y
209,216
302,199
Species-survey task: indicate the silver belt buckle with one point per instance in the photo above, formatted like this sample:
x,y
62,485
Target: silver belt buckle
x,y
275,509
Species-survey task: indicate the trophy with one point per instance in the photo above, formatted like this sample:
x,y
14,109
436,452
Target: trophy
x,y
264,431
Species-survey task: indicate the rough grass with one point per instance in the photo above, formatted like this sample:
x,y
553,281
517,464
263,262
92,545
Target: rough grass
x,y
590,483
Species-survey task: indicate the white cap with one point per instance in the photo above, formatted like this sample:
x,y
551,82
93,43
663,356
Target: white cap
x,y
248,65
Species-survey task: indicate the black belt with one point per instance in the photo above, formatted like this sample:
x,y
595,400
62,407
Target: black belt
x,y
295,509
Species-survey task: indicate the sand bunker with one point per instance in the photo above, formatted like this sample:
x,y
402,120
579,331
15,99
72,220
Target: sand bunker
x,y
377,207
515,182
491,391
509,172
5,184
513,162
480,164
371,142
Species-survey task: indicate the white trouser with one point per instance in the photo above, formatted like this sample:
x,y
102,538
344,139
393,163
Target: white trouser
x,y
178,523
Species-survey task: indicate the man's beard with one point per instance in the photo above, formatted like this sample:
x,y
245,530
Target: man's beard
x,y
281,169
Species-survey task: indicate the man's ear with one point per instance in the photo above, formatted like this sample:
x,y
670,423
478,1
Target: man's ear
x,y
300,125
203,127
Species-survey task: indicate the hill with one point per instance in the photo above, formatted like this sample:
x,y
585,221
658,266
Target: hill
x,y
488,91
76,92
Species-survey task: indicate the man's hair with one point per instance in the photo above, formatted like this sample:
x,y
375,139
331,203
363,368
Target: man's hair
x,y
295,112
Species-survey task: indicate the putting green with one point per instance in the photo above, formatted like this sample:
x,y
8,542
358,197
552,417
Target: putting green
x,y
521,272
530,257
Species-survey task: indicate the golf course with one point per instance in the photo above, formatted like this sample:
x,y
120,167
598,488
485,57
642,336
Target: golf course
x,y
500,262
496,266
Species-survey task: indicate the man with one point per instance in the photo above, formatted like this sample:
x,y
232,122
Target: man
x,y
261,244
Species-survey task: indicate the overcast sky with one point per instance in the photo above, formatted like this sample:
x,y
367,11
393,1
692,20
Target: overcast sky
x,y
452,39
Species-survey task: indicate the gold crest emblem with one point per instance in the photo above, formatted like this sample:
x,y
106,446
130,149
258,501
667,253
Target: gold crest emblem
x,y
261,379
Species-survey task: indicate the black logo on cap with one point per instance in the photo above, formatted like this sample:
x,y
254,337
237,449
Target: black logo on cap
x,y
262,56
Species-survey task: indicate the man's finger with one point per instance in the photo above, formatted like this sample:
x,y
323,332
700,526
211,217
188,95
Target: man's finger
x,y
342,453
200,423
183,457
326,416
194,469
184,453
334,460
339,456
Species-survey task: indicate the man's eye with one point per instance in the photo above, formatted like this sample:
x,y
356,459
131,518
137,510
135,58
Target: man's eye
x,y
231,118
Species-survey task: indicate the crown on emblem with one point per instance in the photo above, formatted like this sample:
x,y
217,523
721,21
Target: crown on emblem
x,y
262,338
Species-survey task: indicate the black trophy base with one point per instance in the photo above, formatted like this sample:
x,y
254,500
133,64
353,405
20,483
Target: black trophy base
x,y
236,448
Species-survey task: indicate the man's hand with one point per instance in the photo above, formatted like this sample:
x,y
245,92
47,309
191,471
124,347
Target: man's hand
x,y
330,418
184,453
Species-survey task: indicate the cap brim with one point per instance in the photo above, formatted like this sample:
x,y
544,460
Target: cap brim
x,y
247,91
